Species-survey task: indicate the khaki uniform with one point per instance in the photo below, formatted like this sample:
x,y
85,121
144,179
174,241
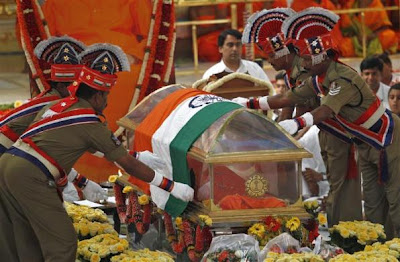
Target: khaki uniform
x,y
349,97
40,225
19,125
335,153
7,247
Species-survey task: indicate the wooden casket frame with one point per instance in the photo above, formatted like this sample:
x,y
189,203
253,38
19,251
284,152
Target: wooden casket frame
x,y
236,218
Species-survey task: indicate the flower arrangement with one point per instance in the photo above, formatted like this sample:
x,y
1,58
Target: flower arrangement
x,y
86,229
391,247
271,227
364,256
228,255
101,248
77,213
143,255
354,236
300,257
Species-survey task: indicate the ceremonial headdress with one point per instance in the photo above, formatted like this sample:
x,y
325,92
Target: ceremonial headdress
x,y
100,63
264,28
309,31
59,58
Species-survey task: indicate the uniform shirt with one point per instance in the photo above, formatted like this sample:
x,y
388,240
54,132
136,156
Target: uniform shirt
x,y
296,75
345,92
67,144
246,66
19,125
383,94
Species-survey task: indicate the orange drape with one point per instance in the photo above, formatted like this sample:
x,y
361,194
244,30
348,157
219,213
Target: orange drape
x,y
119,22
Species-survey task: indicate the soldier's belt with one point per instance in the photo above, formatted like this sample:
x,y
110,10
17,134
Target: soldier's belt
x,y
5,143
374,117
26,151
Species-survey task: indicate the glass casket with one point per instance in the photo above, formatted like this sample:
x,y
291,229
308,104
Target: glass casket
x,y
242,167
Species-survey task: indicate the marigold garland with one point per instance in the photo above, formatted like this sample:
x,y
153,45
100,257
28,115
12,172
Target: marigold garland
x,y
33,30
195,238
134,213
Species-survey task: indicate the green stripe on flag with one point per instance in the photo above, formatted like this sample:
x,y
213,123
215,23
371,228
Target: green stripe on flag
x,y
182,142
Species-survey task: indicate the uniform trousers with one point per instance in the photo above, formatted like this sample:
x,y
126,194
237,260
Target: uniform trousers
x,y
344,197
382,200
34,223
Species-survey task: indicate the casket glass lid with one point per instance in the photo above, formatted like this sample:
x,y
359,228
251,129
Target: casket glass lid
x,y
241,135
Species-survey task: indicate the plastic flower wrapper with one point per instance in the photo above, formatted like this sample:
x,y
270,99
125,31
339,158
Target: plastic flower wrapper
x,y
325,250
232,248
284,243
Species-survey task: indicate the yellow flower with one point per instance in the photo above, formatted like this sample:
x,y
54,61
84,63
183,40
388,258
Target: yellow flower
x,y
373,235
293,224
344,232
257,230
178,221
143,199
112,178
127,189
18,103
311,204
322,219
206,220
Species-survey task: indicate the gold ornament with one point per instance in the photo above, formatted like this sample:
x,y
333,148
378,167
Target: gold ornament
x,y
256,186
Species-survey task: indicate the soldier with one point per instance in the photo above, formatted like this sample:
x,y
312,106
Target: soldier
x,y
59,57
32,170
337,148
348,99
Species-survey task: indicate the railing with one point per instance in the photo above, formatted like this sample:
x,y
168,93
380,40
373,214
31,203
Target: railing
x,y
233,20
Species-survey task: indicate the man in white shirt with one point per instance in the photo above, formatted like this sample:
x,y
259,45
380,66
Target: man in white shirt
x,y
371,71
388,76
230,46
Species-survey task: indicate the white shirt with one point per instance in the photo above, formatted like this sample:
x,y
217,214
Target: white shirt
x,y
310,142
383,94
246,66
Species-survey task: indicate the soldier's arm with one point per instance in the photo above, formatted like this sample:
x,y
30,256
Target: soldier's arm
x,y
321,113
136,168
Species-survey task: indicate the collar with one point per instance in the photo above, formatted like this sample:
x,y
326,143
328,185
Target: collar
x,y
241,68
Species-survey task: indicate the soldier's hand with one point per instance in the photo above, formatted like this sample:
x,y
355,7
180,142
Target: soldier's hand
x,y
290,126
94,192
150,159
241,101
182,191
158,196
70,193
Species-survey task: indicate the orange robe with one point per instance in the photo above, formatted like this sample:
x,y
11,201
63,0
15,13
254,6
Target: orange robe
x,y
119,22
345,44
375,21
208,44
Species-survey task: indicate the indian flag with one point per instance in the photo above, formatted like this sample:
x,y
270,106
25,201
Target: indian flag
x,y
171,128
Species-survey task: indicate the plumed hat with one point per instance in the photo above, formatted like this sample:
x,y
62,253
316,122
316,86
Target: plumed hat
x,y
310,29
264,28
100,63
59,58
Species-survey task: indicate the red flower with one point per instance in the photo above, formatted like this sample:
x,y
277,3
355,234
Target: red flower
x,y
272,223
223,256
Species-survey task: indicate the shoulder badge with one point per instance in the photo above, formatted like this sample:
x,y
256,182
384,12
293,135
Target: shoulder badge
x,y
334,89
